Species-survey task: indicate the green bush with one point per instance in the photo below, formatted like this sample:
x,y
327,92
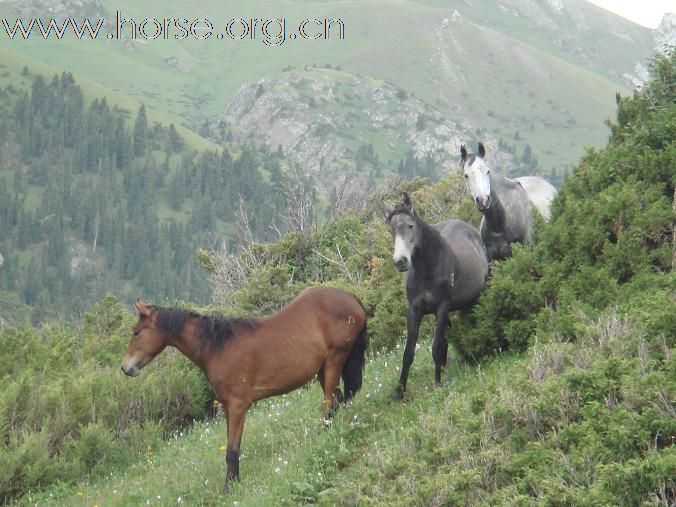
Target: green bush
x,y
66,409
610,233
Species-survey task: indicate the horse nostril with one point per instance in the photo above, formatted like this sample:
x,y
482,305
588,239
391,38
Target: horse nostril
x,y
401,264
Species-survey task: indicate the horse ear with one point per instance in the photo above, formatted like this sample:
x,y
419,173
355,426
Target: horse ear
x,y
143,310
463,153
406,199
407,202
482,151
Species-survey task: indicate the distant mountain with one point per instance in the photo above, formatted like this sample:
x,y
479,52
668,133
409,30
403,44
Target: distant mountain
x,y
330,121
536,72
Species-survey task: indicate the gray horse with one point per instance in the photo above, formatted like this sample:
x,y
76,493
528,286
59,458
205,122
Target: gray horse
x,y
506,204
447,269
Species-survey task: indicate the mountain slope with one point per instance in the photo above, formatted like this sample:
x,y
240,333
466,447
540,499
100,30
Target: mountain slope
x,y
11,72
543,68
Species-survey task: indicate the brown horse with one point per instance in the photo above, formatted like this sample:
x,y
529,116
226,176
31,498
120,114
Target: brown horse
x,y
322,332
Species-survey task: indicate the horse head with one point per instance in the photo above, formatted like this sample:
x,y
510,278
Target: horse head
x,y
146,342
476,173
405,230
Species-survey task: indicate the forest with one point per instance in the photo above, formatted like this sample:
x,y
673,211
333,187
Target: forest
x,y
105,202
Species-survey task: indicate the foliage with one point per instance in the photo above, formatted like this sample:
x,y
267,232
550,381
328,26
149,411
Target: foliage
x,y
67,411
89,205
353,252
611,225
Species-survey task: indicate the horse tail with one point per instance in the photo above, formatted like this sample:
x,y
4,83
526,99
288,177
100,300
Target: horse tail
x,y
354,365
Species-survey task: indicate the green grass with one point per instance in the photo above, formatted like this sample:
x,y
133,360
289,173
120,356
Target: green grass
x,y
548,424
284,444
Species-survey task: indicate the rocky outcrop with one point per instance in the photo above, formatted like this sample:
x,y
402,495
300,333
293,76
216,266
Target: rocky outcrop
x,y
320,117
665,34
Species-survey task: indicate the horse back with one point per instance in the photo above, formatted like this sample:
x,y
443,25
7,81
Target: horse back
x,y
540,193
320,318
463,239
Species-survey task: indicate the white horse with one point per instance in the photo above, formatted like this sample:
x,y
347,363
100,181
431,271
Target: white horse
x,y
505,204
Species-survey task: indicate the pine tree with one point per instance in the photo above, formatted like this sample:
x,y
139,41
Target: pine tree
x,y
175,140
141,132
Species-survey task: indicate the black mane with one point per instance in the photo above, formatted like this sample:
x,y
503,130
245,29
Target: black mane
x,y
213,330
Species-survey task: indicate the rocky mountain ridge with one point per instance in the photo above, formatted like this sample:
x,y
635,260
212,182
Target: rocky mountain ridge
x,y
321,117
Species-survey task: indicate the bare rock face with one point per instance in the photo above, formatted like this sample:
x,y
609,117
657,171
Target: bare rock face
x,y
665,34
320,117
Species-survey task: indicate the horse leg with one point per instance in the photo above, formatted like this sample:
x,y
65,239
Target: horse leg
x,y
337,393
332,394
236,411
413,319
440,346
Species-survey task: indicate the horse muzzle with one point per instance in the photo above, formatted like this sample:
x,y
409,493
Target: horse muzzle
x,y
483,203
401,264
131,372
130,366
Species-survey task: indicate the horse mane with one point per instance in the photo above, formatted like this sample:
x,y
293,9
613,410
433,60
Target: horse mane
x,y
213,330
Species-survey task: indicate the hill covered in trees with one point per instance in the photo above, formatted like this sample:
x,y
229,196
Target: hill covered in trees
x,y
562,390
545,70
96,199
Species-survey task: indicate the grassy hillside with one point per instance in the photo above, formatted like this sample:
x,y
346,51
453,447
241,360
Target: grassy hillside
x,y
562,391
567,423
499,70
12,73
88,185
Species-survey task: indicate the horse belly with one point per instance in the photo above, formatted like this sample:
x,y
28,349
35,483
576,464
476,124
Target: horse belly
x,y
288,371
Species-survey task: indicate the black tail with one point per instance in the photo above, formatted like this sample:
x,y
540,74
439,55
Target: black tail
x,y
354,365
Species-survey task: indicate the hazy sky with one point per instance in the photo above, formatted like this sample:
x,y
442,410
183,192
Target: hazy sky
x,y
644,12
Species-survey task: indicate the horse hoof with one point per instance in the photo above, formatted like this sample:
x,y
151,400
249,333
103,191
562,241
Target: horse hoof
x,y
398,394
438,384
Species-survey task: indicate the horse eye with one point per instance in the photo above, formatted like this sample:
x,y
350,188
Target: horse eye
x,y
488,172
410,227
466,176
136,333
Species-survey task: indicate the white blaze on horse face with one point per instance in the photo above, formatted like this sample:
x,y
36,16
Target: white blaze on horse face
x,y
478,182
402,250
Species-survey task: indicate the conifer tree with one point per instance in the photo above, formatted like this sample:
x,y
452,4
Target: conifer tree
x,y
141,132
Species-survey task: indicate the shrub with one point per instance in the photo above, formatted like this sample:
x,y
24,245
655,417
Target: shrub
x,y
65,407
610,233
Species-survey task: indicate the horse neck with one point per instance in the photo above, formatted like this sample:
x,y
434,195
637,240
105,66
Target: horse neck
x,y
495,215
189,343
431,241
